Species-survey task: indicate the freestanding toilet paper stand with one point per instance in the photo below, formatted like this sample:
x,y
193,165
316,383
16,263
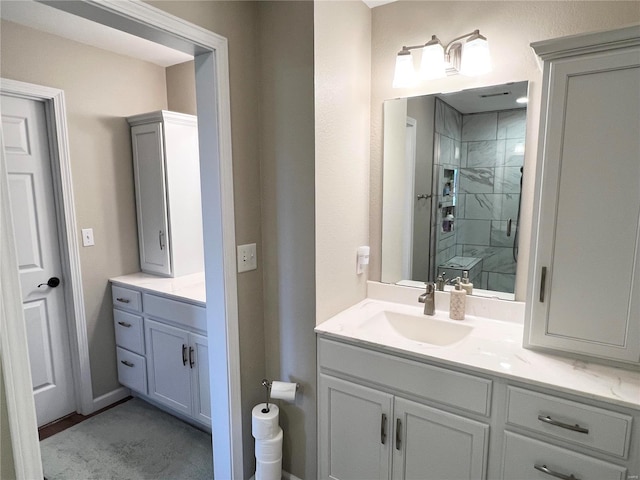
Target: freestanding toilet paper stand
x,y
267,385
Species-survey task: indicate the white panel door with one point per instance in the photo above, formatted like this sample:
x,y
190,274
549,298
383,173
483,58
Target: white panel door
x,y
34,216
355,431
151,198
168,370
433,445
199,363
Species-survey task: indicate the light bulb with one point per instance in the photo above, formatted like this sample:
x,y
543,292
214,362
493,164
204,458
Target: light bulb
x,y
476,58
432,64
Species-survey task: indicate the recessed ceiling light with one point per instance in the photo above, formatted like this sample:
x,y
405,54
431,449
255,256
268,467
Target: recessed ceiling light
x,y
522,100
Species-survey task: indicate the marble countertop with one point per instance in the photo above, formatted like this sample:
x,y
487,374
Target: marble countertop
x,y
493,347
188,287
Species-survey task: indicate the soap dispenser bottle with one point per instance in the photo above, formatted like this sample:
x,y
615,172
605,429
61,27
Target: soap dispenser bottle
x,y
466,285
457,301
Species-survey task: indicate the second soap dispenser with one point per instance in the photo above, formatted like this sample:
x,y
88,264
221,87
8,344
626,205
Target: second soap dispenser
x,y
457,302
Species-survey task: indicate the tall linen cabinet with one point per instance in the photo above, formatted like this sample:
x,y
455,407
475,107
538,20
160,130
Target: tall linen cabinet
x,y
166,170
584,280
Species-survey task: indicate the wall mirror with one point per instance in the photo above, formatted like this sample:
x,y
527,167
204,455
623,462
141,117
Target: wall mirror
x,y
452,179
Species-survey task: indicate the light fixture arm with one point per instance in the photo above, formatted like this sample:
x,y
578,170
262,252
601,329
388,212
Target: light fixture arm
x,y
450,45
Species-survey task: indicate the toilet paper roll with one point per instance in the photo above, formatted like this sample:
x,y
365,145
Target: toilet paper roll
x,y
264,425
269,449
269,470
283,391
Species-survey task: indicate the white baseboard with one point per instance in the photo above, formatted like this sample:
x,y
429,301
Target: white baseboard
x,y
285,476
110,398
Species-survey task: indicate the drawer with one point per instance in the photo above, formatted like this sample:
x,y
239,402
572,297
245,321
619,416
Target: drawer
x,y
408,377
132,370
180,313
522,454
129,330
599,429
126,298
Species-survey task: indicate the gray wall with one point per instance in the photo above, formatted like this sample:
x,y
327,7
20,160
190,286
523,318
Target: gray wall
x,y
288,219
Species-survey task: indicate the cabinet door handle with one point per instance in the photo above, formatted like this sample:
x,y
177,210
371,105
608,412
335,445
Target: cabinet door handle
x,y
398,434
124,324
123,300
548,471
383,429
509,227
543,281
184,354
568,426
128,364
191,361
160,235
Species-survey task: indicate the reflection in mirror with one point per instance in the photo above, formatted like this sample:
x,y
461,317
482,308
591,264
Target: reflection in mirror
x,y
451,189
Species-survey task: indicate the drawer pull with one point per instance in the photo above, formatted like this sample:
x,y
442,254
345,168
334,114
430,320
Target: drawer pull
x,y
573,428
398,434
543,282
191,361
128,364
123,300
548,471
383,429
125,324
184,354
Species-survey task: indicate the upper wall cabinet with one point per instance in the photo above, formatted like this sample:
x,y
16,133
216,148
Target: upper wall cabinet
x,y
166,167
584,284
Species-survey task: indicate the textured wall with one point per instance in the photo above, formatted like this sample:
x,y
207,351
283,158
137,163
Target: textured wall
x,y
510,27
342,75
101,89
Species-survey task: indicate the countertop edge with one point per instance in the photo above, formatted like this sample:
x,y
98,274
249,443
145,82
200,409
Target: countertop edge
x,y
173,296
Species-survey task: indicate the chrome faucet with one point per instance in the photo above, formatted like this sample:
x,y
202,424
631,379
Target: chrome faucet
x,y
428,298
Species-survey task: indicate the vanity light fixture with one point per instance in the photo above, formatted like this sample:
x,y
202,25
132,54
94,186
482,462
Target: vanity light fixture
x,y
470,57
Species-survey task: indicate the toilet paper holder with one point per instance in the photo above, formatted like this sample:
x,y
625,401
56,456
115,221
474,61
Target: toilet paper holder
x,y
267,385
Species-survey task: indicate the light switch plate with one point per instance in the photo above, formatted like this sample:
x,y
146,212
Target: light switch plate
x,y
247,259
87,237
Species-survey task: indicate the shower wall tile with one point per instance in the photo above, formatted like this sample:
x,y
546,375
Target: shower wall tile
x,y
474,232
480,126
495,259
485,153
499,233
463,153
509,206
445,149
514,152
476,180
502,282
484,281
482,206
507,180
448,120
461,199
512,123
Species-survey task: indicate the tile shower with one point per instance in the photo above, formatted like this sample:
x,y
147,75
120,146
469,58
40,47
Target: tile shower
x,y
477,164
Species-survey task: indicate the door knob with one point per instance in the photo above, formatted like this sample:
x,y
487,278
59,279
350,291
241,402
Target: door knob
x,y
53,282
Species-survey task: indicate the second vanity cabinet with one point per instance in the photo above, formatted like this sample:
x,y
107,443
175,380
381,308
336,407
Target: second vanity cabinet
x,y
383,416
162,351
583,282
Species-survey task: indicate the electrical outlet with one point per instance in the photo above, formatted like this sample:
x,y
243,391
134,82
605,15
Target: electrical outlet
x,y
87,237
247,259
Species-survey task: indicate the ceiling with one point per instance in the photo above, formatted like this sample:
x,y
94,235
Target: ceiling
x,y
487,99
51,20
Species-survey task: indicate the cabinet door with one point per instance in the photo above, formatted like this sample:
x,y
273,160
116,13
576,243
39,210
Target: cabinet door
x,y
168,370
584,294
151,198
432,444
199,363
355,431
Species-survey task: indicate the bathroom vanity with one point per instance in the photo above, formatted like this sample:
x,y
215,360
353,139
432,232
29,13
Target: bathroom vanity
x,y
464,400
161,342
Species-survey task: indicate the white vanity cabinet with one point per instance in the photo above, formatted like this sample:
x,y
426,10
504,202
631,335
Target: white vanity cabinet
x,y
382,416
368,429
162,351
166,169
584,294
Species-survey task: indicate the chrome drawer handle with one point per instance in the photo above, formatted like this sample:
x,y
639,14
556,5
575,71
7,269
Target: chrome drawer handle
x,y
123,300
548,471
124,324
573,428
128,364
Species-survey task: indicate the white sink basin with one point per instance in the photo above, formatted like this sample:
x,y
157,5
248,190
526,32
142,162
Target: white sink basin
x,y
423,328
